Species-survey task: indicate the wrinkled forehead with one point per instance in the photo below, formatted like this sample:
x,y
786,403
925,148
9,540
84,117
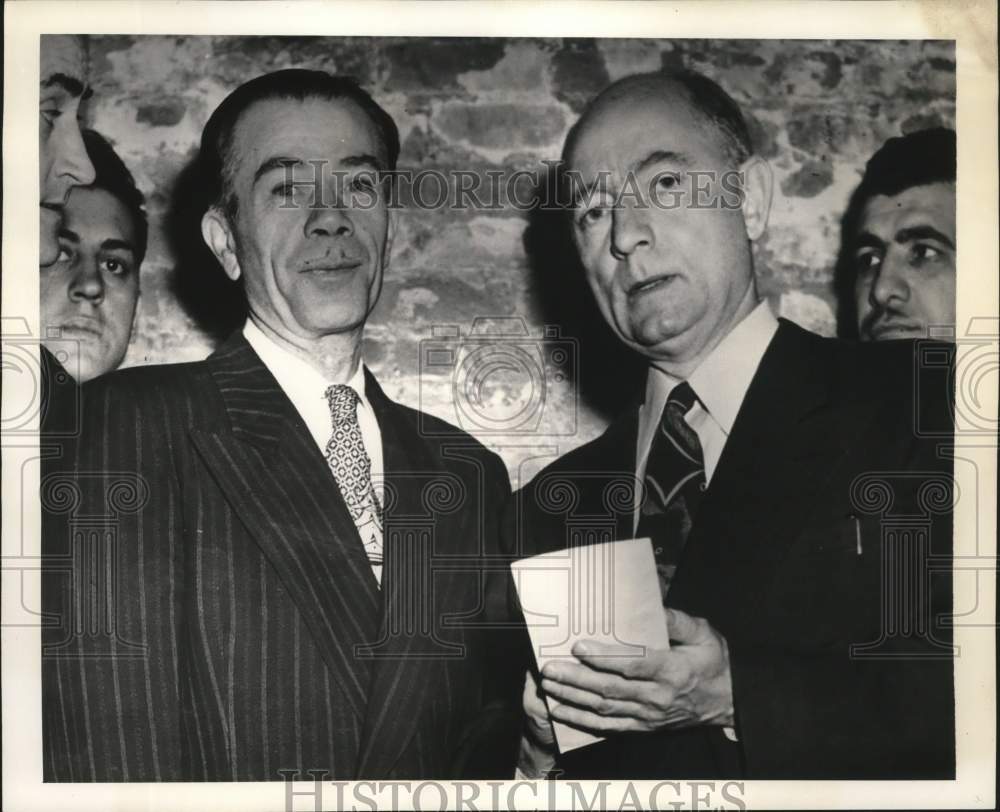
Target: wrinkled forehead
x,y
315,127
632,120
63,55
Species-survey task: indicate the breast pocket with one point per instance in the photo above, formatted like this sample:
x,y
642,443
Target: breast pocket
x,y
826,588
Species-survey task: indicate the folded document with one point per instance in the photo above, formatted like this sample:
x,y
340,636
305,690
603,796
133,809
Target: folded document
x,y
607,592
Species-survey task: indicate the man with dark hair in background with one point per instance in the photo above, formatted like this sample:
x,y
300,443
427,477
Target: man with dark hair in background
x,y
762,451
62,164
89,293
280,602
895,275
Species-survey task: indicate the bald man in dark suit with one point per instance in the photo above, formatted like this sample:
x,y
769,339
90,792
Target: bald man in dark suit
x,y
798,510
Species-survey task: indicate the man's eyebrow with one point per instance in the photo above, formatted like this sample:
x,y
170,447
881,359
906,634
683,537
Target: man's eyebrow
x,y
662,155
277,162
581,191
70,84
923,232
361,160
657,156
866,239
117,244
283,161
68,234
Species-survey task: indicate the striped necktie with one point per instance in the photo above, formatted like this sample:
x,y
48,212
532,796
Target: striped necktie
x,y
673,485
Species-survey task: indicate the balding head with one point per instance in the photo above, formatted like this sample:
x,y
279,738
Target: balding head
x,y
666,197
708,104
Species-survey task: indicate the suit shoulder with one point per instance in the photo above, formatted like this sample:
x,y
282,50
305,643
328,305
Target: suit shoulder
x,y
871,369
154,386
609,456
909,378
441,433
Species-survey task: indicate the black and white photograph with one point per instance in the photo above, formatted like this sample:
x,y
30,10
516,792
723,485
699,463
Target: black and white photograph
x,y
567,411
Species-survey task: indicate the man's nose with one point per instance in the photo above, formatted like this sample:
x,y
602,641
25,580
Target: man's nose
x,y
630,229
890,285
328,221
73,165
87,283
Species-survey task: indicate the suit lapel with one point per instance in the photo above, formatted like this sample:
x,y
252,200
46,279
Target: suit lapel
x,y
278,483
620,442
786,440
405,657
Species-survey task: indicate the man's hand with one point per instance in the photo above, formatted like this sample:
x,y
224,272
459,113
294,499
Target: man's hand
x,y
538,742
689,684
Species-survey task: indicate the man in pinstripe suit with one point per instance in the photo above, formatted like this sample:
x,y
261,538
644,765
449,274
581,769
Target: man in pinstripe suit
x,y
274,568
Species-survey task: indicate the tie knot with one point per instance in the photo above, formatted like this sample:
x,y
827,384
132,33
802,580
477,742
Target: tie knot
x,y
343,402
682,397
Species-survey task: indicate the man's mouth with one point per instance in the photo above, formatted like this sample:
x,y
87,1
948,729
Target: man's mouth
x,y
651,284
332,267
889,329
81,324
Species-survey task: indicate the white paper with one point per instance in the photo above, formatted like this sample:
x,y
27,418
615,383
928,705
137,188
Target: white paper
x,y
607,592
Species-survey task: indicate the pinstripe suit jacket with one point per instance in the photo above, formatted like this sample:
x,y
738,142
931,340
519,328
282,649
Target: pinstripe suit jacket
x,y
213,613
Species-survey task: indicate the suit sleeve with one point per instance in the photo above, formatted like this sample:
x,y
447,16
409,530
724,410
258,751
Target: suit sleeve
x,y
110,662
489,745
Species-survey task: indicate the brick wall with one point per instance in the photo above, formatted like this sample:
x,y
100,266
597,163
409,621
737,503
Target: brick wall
x,y
817,111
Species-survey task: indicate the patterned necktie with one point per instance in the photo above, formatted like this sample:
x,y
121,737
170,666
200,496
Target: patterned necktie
x,y
352,468
674,484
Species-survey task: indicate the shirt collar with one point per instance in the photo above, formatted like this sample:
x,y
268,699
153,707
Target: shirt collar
x,y
722,379
296,376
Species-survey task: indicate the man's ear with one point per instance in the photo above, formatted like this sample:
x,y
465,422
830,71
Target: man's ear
x,y
219,238
758,185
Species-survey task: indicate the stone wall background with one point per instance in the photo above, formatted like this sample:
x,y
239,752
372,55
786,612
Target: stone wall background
x,y
817,111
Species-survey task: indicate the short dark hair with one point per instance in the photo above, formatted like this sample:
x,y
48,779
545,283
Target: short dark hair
x,y
293,83
915,159
706,97
111,175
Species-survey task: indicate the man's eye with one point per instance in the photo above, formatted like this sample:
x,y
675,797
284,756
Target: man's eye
x,y
115,267
284,190
64,255
925,253
668,180
867,261
49,115
363,183
591,216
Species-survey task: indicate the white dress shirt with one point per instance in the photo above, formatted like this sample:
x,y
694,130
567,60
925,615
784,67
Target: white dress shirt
x,y
306,388
720,383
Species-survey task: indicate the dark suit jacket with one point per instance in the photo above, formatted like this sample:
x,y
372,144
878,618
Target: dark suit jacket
x,y
245,633
59,416
822,452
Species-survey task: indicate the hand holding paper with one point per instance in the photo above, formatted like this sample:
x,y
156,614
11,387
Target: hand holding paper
x,y
538,743
608,591
688,684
